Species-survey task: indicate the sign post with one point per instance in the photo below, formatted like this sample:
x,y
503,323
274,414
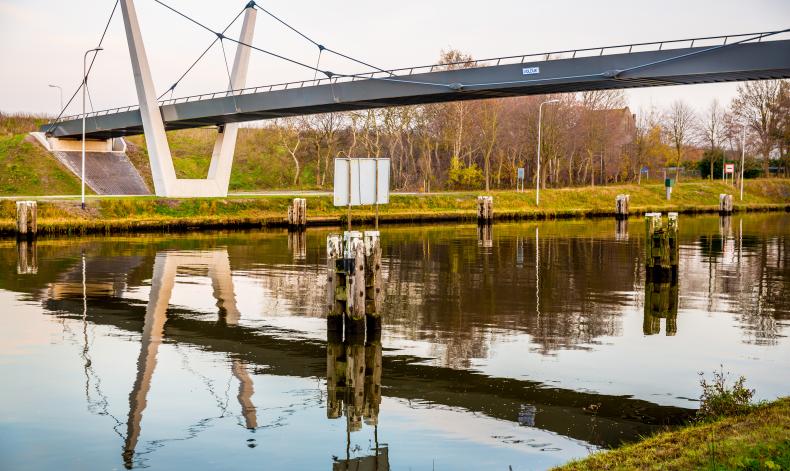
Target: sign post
x,y
729,169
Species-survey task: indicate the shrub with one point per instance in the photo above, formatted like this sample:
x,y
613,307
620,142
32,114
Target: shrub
x,y
720,400
464,178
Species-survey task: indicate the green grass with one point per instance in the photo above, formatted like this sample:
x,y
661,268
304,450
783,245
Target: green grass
x,y
147,213
28,169
259,160
759,440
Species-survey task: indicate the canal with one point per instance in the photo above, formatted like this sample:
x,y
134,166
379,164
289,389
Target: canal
x,y
518,347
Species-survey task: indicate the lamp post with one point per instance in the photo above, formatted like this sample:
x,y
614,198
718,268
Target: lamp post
x,y
537,179
85,86
61,94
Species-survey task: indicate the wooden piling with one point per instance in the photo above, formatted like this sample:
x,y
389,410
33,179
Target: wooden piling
x,y
354,291
297,244
485,209
355,283
661,246
621,229
297,214
335,297
661,302
621,204
373,284
335,374
355,381
373,367
26,224
27,259
485,236
725,204
672,240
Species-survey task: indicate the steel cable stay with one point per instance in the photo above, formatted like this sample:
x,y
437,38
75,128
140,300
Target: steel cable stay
x,y
90,67
230,78
172,88
329,74
333,77
320,47
222,36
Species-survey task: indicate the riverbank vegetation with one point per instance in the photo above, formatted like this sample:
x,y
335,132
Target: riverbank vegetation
x,y
757,440
730,433
151,213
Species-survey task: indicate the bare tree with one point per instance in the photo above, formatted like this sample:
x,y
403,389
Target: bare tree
x,y
755,105
712,129
489,127
678,124
290,135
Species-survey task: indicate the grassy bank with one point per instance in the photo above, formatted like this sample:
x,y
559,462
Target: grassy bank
x,y
27,169
759,440
151,213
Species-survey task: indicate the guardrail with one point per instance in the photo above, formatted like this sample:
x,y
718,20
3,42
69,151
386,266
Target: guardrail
x,y
708,41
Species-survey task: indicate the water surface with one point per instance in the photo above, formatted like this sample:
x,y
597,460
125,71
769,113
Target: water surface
x,y
523,346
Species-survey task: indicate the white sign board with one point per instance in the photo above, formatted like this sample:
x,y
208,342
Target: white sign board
x,y
370,181
530,70
729,168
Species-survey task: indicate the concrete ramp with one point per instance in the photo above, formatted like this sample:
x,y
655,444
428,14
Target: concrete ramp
x,y
108,170
106,173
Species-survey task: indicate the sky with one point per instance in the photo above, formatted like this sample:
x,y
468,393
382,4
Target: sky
x,y
43,42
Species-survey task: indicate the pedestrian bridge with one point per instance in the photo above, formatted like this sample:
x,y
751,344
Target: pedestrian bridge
x,y
626,66
689,61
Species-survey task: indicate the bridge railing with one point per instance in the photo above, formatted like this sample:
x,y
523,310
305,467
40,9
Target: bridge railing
x,y
707,41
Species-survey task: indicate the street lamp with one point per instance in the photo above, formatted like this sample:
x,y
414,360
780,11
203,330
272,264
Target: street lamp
x,y
84,86
537,180
61,95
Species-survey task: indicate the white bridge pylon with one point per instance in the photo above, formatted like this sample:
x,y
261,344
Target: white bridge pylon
x,y
164,175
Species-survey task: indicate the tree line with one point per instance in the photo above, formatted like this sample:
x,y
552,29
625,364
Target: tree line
x,y
587,138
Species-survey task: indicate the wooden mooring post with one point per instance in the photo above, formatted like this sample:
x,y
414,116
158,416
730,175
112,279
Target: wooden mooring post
x,y
297,214
336,283
26,257
661,273
661,247
374,293
621,203
353,373
26,224
725,204
354,283
661,302
485,209
297,244
485,236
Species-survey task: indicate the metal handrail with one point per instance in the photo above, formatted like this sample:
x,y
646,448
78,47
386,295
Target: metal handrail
x,y
401,72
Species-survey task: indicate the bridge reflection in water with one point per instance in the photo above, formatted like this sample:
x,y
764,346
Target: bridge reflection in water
x,y
166,266
353,366
107,289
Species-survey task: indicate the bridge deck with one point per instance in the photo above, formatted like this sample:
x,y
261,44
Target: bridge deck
x,y
736,62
